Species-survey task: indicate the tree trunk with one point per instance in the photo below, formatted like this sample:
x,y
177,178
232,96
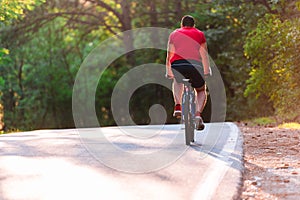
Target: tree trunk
x,y
128,37
1,117
153,21
178,9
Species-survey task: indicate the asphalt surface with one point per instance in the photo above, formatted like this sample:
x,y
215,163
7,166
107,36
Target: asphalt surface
x,y
142,162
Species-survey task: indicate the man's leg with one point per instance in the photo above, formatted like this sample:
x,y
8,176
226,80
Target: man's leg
x,y
201,101
177,91
177,94
201,98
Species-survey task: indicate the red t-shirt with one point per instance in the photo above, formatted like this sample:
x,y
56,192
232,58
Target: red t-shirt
x,y
187,41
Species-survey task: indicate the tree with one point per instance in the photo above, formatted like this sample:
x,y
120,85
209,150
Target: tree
x,y
10,11
47,46
272,48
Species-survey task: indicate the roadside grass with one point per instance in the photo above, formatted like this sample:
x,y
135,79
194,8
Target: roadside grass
x,y
291,125
10,131
271,122
262,121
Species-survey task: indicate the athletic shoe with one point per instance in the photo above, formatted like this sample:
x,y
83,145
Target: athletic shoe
x,y
177,111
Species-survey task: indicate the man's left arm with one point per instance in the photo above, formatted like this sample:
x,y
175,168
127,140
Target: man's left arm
x,y
205,59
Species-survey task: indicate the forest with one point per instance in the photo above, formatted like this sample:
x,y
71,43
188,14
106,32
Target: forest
x,y
254,43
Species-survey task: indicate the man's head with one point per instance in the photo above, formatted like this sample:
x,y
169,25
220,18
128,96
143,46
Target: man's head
x,y
187,21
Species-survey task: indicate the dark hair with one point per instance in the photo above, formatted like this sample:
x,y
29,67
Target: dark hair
x,y
188,20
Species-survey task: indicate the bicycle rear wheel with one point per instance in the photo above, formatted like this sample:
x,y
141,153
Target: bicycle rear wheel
x,y
192,119
187,118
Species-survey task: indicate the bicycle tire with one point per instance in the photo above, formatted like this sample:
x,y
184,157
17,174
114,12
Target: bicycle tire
x,y
187,118
192,119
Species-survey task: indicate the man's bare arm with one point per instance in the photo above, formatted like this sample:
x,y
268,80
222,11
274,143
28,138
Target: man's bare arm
x,y
170,53
205,58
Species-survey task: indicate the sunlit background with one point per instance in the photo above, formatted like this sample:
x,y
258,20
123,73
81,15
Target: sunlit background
x,y
255,45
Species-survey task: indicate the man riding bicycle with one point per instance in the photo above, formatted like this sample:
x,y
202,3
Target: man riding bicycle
x,y
187,57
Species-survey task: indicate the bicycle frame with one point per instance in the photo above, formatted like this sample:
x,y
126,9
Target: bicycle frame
x,y
188,110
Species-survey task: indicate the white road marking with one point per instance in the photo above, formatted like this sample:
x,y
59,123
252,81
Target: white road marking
x,y
217,169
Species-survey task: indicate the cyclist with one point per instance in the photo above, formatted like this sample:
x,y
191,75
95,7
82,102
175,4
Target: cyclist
x,y
187,57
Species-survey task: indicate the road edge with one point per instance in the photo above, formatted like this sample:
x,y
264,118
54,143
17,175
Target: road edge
x,y
230,186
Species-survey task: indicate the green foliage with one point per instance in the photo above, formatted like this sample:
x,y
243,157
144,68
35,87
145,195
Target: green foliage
x,y
226,24
13,9
4,55
40,77
47,42
273,49
263,121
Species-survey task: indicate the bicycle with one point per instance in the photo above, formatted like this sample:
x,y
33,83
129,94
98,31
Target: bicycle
x,y
188,111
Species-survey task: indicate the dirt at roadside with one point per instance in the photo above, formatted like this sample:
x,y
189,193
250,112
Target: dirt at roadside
x,y
272,163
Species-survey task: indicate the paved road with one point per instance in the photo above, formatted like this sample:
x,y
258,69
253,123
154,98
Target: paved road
x,y
83,164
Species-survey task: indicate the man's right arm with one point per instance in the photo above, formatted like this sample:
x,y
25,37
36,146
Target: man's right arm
x,y
170,52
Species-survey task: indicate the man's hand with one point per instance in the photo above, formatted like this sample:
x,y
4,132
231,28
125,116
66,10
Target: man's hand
x,y
206,76
208,73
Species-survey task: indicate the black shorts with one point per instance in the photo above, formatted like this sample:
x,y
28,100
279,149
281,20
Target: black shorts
x,y
190,69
